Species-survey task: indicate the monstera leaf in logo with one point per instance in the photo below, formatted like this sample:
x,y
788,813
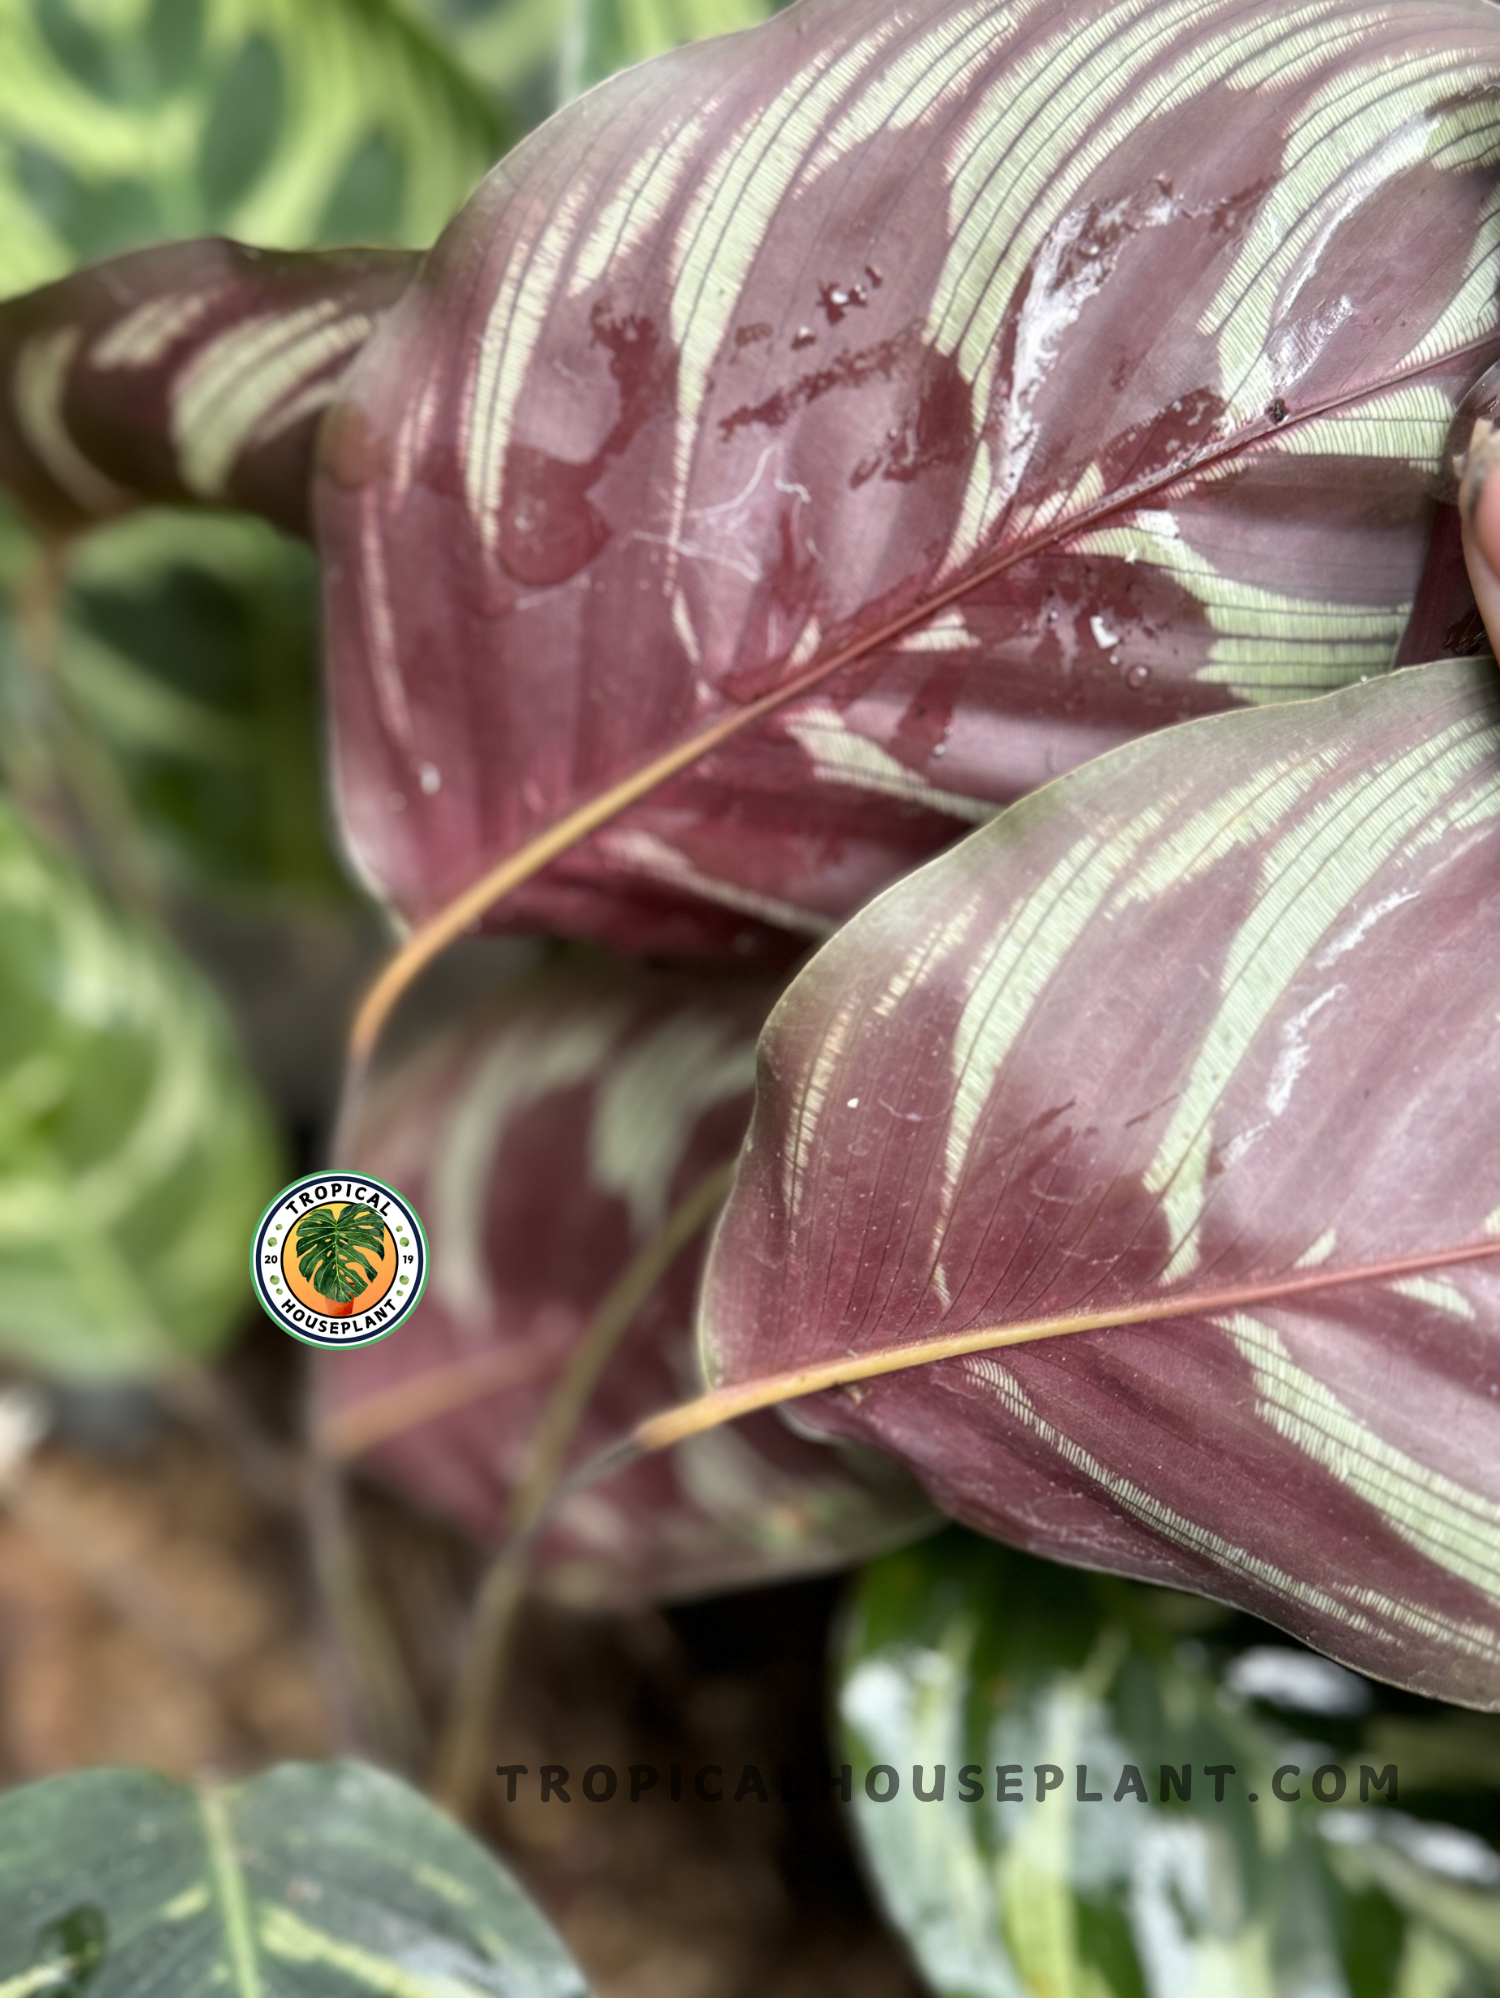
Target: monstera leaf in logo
x,y
331,1247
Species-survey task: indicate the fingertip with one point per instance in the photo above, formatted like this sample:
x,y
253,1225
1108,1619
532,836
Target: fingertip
x,y
1485,514
1479,512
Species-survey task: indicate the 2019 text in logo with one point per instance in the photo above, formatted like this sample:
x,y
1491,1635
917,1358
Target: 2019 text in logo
x,y
339,1260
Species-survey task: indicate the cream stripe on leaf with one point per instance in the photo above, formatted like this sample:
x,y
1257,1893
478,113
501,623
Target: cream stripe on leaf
x,y
1268,645
1308,883
1021,163
528,1063
1372,123
40,384
649,1102
1009,976
842,756
729,218
512,330
1348,1608
1097,1008
632,213
943,64
1407,425
224,397
1167,1521
1453,1526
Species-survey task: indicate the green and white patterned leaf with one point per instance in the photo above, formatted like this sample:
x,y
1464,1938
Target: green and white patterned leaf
x,y
313,1879
1203,1025
134,1149
173,701
602,36
285,122
965,1658
532,55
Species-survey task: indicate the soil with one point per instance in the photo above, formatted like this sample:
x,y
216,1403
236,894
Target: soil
x,y
155,1609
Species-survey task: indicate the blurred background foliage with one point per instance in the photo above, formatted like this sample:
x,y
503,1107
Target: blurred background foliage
x,y
962,1653
165,851
159,722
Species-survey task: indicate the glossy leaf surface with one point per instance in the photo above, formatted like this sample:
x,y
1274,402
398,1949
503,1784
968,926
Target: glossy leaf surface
x,y
313,1879
1066,370
134,1150
963,1659
1216,1010
546,1142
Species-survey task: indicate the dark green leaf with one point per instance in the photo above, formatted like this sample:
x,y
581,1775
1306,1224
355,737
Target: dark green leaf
x,y
172,37
79,48
91,217
242,126
186,657
365,204
314,1879
121,125
964,1654
329,1242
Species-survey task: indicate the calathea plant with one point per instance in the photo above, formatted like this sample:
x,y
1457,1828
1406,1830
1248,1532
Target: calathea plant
x,y
806,447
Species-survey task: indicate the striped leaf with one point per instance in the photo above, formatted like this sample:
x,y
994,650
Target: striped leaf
x,y
182,663
134,1150
532,55
902,407
283,123
1214,1016
196,372
1283,1869
199,372
603,36
546,1142
312,1879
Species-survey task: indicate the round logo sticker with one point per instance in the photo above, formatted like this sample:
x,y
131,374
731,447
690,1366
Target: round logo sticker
x,y
339,1262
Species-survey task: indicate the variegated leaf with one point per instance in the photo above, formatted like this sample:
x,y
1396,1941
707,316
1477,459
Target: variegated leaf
x,y
134,1149
1039,373
281,122
196,372
603,36
310,1879
1216,1011
545,1142
532,55
185,649
1233,1829
199,371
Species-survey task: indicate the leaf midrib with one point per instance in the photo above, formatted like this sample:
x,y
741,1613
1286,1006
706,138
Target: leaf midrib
x,y
517,868
723,1405
230,1892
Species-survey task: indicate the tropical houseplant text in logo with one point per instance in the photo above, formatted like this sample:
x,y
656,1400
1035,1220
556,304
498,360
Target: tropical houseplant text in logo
x,y
339,1261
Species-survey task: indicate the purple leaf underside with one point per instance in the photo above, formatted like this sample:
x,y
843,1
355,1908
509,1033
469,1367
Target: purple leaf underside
x,y
1066,371
545,1142
198,372
1218,1009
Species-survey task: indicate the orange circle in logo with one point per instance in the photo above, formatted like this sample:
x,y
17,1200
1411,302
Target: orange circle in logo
x,y
349,1229
301,1288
